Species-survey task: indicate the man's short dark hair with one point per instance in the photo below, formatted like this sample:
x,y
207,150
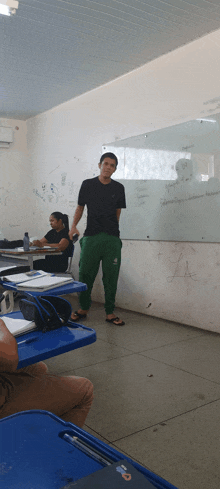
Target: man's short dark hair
x,y
109,155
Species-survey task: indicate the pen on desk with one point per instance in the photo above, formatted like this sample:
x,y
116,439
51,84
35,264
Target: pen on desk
x,y
85,448
28,340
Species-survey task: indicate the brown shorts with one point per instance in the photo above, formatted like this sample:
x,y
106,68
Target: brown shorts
x,y
33,388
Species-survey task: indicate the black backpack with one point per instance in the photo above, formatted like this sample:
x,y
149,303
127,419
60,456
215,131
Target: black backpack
x,y
48,312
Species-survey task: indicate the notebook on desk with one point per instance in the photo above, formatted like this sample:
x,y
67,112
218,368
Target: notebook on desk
x,y
33,248
2,269
13,270
24,277
18,327
43,283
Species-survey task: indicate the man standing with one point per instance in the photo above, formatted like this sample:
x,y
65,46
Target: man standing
x,y
104,199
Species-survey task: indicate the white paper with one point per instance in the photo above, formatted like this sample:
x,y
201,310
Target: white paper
x,y
24,277
18,326
7,268
33,248
44,283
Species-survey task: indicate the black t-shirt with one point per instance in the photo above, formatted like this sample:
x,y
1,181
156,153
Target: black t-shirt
x,y
55,237
102,201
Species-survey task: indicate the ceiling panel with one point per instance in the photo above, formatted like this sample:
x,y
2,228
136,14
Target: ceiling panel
x,y
54,50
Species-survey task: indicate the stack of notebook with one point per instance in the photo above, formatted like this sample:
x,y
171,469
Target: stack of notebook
x,y
37,281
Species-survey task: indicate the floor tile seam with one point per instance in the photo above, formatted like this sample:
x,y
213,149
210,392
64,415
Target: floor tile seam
x,y
164,421
126,348
97,363
134,459
97,433
118,346
150,349
181,369
170,344
112,445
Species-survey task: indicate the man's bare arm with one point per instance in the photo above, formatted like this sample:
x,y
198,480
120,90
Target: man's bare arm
x,y
77,216
118,213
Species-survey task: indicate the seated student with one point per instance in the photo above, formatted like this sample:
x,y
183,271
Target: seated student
x,y
57,237
32,387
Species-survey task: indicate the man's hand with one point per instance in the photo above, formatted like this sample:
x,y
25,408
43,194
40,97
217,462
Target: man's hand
x,y
77,216
73,231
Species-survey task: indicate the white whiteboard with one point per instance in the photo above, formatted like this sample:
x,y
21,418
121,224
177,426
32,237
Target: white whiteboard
x,y
172,182
157,210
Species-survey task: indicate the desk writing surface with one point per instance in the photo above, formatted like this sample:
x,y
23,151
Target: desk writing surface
x,y
30,254
35,455
52,343
38,251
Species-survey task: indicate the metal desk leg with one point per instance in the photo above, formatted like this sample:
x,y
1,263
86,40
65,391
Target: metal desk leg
x,y
30,261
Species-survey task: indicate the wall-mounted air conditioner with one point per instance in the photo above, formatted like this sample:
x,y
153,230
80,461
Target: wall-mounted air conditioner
x,y
6,136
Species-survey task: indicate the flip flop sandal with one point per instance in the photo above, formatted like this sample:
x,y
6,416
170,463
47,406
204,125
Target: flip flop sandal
x,y
78,316
115,319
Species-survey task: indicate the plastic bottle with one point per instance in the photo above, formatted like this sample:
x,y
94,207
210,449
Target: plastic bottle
x,y
26,242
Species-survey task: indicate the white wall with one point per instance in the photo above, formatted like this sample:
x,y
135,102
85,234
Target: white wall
x,y
181,281
15,183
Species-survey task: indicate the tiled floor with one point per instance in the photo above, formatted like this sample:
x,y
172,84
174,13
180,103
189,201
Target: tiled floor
x,y
157,394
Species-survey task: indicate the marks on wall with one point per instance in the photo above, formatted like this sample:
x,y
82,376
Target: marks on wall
x,y
54,169
184,266
59,190
182,270
4,195
12,200
63,179
215,101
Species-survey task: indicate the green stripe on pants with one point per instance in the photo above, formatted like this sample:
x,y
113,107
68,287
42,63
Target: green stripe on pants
x,y
95,249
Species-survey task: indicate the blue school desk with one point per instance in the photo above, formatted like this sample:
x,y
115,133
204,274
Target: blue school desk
x,y
35,454
41,346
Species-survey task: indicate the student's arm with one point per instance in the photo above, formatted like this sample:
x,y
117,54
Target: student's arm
x,y
40,243
77,216
62,245
118,213
8,350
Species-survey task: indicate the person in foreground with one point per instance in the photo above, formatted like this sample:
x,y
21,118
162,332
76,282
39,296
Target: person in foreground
x,y
57,237
32,387
104,199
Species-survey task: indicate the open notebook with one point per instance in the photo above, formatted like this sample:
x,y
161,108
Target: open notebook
x,y
18,326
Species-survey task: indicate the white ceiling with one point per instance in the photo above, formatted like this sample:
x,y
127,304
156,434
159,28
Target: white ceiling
x,y
54,50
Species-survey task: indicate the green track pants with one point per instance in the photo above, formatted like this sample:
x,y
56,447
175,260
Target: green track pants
x,y
95,249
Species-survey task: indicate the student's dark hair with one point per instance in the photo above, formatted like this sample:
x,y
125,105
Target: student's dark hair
x,y
109,155
64,218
